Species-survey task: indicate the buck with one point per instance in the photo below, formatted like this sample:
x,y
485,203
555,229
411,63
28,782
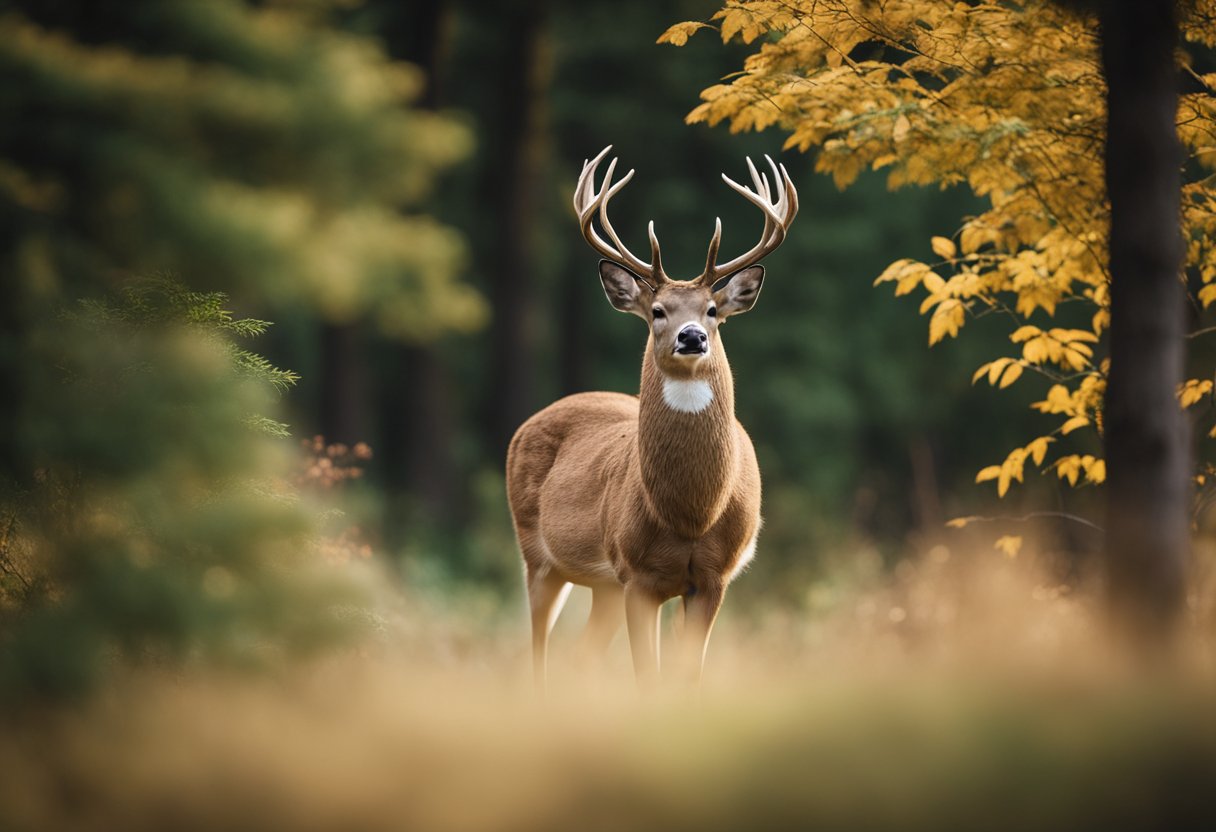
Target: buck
x,y
647,498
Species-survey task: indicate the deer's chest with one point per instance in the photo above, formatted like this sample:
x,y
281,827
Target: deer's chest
x,y
670,563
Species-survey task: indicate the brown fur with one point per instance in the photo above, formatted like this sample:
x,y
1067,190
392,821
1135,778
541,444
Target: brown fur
x,y
635,499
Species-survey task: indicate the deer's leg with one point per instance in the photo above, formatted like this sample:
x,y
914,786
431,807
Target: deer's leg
x,y
546,594
642,620
607,613
700,611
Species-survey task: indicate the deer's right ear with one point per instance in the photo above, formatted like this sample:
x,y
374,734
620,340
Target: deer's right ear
x,y
625,290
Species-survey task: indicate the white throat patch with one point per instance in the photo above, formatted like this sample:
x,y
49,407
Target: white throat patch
x,y
687,396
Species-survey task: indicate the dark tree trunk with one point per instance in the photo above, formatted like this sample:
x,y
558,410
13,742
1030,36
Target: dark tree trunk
x,y
418,437
573,364
12,337
1148,466
513,183
343,384
926,500
417,401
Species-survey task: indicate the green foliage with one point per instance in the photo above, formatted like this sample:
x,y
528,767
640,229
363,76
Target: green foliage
x,y
147,521
246,146
161,301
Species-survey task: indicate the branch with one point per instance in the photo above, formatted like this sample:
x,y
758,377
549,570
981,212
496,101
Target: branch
x,y
1034,515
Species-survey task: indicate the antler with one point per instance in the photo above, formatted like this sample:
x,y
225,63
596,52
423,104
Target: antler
x,y
777,219
588,202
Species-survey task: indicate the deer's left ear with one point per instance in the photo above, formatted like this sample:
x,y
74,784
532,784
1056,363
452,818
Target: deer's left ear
x,y
625,290
740,292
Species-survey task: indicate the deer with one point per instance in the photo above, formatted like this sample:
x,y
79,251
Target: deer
x,y
656,496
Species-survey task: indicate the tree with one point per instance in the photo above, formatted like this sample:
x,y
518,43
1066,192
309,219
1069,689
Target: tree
x,y
248,147
1146,441
244,146
156,522
237,144
1009,100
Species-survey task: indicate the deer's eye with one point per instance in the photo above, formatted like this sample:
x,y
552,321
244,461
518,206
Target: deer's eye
x,y
713,312
658,313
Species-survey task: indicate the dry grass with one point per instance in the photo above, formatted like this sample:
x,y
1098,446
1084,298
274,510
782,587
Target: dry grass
x,y
961,693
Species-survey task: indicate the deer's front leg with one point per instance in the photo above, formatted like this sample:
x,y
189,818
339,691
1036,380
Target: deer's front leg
x,y
701,607
642,621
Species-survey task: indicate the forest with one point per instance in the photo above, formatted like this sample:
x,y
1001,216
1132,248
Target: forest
x,y
282,279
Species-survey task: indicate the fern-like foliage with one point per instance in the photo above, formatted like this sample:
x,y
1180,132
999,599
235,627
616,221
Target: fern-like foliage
x,y
162,300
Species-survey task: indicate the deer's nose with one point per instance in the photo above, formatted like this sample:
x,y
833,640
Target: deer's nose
x,y
692,340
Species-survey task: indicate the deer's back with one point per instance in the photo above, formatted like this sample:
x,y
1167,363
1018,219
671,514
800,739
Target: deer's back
x,y
582,435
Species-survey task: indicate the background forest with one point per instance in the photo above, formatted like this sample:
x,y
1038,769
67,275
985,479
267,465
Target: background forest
x,y
282,277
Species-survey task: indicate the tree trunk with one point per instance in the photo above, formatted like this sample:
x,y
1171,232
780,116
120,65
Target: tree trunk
x,y
573,366
12,336
343,384
513,183
417,406
418,439
1148,466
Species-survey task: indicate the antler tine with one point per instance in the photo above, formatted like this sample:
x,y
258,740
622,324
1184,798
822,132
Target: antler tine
x,y
777,218
759,181
714,242
780,178
588,202
586,178
790,192
656,258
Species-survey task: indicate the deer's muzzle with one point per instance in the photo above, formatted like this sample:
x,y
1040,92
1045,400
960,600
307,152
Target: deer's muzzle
x,y
692,340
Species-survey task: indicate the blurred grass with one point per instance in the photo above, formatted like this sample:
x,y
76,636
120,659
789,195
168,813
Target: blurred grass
x,y
1011,711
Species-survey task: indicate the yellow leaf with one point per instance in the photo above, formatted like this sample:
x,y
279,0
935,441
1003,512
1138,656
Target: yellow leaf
x,y
1073,423
933,282
984,369
899,130
1010,544
1038,449
1069,468
973,237
1207,294
884,160
960,522
908,282
1058,400
946,320
1011,375
1011,469
678,34
1074,335
943,248
899,270
1023,332
1095,471
989,473
1193,390
1037,350
993,369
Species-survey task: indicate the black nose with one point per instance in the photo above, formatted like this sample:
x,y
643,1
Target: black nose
x,y
692,339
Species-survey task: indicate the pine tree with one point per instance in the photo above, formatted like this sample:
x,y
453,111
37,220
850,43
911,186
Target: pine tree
x,y
255,151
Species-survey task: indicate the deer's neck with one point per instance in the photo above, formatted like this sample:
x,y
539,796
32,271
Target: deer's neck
x,y
687,443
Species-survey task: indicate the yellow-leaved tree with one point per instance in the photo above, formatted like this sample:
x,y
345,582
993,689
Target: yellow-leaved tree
x,y
1007,99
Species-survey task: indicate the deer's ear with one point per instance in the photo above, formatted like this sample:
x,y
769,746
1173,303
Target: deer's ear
x,y
625,290
740,292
